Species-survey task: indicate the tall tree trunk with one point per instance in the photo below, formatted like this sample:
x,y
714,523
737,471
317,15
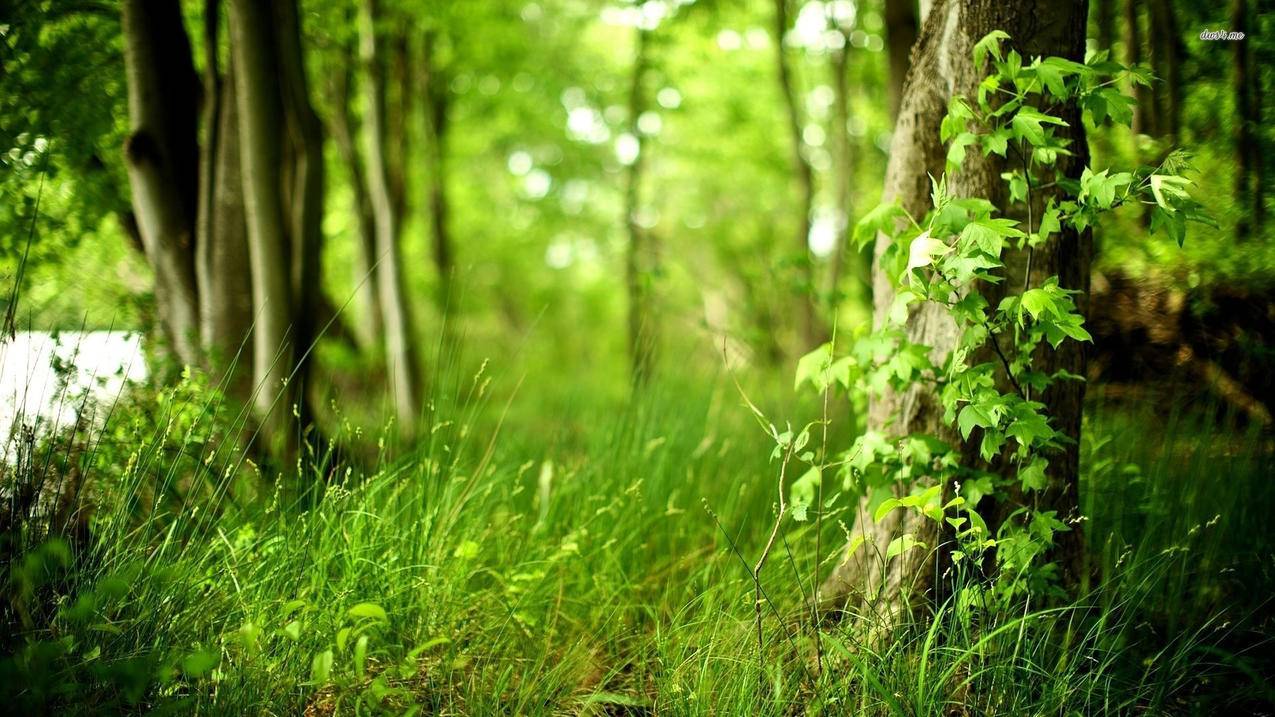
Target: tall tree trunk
x,y
162,157
843,160
943,67
436,97
344,129
224,269
1105,19
1246,122
1167,51
260,109
810,331
901,26
399,345
637,269
1132,56
303,195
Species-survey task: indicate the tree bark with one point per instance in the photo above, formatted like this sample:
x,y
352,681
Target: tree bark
x,y
260,109
162,157
435,95
303,193
1133,56
804,175
637,259
843,161
1167,51
399,346
224,269
942,68
901,26
344,129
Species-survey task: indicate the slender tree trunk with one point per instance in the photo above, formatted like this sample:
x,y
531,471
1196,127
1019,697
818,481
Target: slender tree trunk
x,y
398,106
1166,44
804,174
1132,56
901,26
260,109
303,194
637,260
399,345
843,159
162,157
1105,19
1246,123
943,67
344,129
436,97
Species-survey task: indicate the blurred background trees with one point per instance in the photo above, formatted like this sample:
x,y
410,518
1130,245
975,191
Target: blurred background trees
x,y
376,186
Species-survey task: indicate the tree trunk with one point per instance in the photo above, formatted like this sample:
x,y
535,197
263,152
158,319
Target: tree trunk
x,y
901,25
260,109
1167,51
843,169
224,269
1105,19
162,157
344,129
810,331
399,346
943,67
1132,56
303,195
637,259
435,96
1247,198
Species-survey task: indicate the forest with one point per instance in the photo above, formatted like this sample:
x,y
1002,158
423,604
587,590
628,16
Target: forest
x,y
637,357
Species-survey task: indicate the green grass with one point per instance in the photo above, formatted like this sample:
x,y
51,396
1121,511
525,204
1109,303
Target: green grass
x,y
583,559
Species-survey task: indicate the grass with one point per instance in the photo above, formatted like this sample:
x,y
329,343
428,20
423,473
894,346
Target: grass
x,y
593,558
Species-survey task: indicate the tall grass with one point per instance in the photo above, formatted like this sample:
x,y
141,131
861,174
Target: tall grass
x,y
593,559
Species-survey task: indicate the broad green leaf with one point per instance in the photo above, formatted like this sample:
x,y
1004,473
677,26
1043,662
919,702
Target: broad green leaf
x,y
321,667
367,610
902,544
990,44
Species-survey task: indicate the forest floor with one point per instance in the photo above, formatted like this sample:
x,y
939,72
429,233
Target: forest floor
x,y
572,557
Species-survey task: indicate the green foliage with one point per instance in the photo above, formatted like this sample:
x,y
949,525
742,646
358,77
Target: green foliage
x,y
986,381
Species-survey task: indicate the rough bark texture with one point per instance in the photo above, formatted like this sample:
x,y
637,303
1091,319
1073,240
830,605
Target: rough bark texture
x,y
942,67
804,175
162,157
399,346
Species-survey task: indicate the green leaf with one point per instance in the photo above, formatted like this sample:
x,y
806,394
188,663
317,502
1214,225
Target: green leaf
x,y
321,667
367,610
990,44
971,417
198,664
902,544
1167,184
882,218
888,505
1032,476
